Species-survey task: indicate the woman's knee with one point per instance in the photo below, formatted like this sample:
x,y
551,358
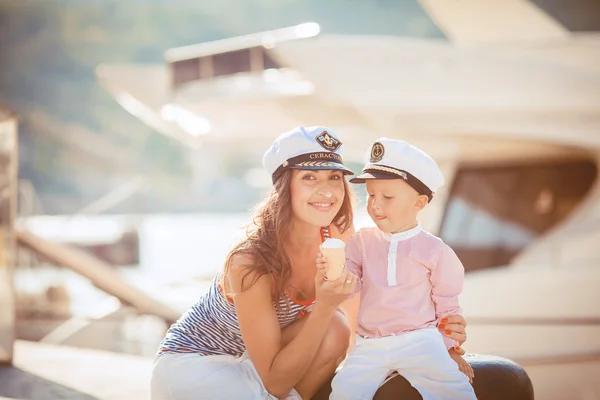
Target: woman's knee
x,y
336,341
159,383
188,376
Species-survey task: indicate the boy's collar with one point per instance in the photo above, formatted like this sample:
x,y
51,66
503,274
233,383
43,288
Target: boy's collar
x,y
400,236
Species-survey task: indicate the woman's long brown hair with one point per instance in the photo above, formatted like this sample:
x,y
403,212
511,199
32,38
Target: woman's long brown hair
x,y
268,231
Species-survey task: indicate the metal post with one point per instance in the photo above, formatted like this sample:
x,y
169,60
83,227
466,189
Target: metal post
x,y
8,208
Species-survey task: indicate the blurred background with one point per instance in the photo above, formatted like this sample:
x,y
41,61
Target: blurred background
x,y
131,137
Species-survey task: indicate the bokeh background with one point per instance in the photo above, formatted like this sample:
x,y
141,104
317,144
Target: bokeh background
x,y
131,137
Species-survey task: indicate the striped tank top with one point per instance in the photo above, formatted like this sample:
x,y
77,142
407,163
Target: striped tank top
x,y
210,326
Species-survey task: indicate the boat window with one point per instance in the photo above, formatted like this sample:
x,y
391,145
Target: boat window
x,y
232,62
575,15
493,213
268,61
185,71
252,59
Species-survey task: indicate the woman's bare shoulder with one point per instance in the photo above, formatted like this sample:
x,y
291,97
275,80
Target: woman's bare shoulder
x,y
242,274
241,260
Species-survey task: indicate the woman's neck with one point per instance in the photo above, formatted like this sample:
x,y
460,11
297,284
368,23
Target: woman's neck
x,y
302,247
302,237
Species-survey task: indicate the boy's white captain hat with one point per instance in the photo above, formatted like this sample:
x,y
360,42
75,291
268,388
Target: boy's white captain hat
x,y
395,159
314,147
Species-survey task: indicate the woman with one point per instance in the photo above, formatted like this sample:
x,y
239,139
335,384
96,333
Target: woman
x,y
270,326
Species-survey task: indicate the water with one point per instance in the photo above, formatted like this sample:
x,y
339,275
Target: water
x,y
176,247
179,254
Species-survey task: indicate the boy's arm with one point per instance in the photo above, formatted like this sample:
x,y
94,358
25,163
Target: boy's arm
x,y
447,283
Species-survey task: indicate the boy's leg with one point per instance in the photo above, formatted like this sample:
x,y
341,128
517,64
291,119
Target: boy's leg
x,y
422,358
362,373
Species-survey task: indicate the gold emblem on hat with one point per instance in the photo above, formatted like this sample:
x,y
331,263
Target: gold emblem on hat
x,y
377,152
328,142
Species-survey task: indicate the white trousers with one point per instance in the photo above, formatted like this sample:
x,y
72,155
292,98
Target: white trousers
x,y
419,356
190,376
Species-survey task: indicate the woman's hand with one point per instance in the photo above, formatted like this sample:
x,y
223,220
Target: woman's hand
x,y
330,294
322,266
454,326
463,366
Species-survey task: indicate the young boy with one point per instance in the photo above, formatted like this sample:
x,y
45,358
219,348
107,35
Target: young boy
x,y
410,281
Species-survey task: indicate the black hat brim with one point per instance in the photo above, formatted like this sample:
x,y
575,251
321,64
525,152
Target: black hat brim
x,y
362,178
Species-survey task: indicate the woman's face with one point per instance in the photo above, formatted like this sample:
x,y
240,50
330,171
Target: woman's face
x,y
317,195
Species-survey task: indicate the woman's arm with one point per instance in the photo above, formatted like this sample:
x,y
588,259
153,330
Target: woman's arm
x,y
280,369
350,306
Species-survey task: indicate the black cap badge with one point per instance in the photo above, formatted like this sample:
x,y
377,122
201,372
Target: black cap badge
x,y
377,152
328,142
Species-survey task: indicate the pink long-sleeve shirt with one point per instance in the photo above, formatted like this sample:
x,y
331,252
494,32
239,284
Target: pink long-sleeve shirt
x,y
408,280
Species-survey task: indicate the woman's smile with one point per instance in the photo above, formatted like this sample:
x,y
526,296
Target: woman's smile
x,y
322,206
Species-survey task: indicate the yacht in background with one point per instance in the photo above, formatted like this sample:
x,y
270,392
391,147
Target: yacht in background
x,y
511,112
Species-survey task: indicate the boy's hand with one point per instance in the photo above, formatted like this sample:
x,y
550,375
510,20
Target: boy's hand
x,y
463,366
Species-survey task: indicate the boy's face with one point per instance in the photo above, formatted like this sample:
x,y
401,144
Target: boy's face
x,y
393,204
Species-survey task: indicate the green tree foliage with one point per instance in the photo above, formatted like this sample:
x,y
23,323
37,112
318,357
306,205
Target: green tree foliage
x,y
49,50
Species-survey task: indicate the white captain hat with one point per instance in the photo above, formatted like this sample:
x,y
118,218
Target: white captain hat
x,y
314,147
396,159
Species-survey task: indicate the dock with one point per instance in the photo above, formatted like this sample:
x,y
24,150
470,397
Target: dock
x,y
43,372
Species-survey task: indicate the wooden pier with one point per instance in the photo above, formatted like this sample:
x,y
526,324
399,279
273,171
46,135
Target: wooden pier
x,y
44,372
